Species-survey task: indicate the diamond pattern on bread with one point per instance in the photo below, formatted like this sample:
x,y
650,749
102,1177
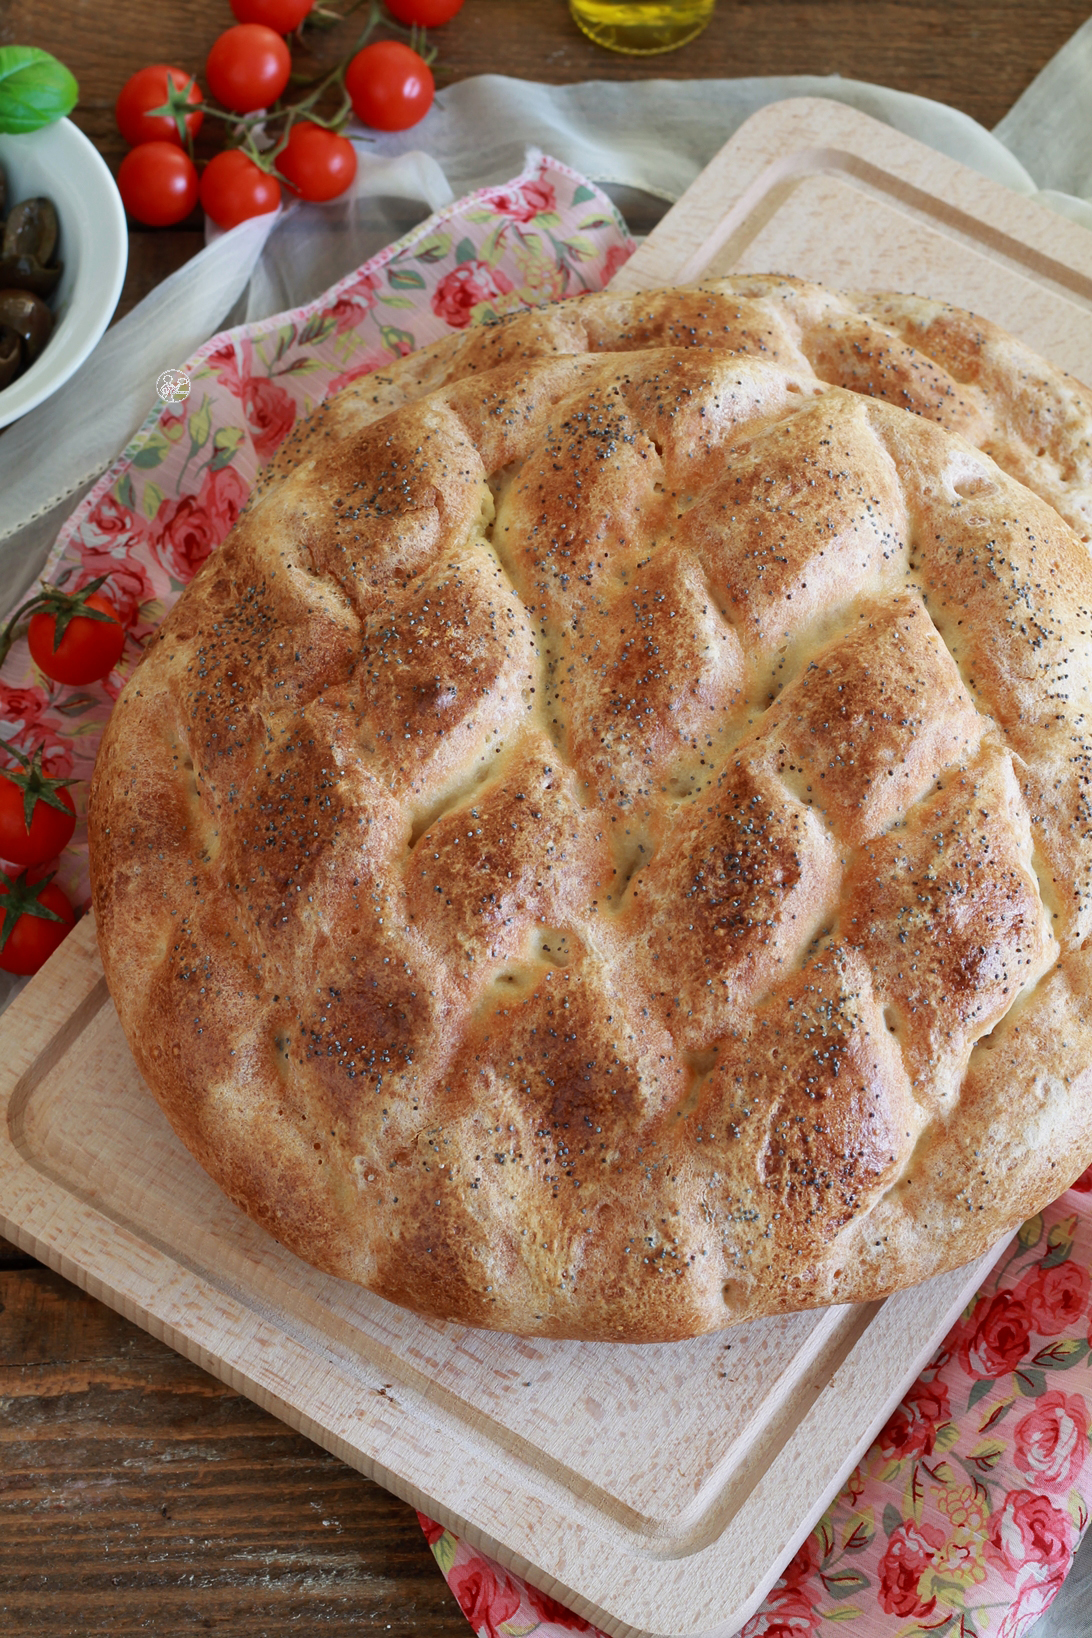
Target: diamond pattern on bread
x,y
604,848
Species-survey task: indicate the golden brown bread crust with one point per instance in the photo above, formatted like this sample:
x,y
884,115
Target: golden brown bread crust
x,y
603,848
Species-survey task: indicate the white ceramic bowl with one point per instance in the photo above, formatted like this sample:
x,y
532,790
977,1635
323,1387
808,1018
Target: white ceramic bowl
x,y
94,247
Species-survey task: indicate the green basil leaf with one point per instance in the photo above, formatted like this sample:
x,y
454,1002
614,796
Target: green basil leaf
x,y
35,89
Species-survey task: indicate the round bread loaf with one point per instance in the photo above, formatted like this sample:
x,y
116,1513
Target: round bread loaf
x,y
604,848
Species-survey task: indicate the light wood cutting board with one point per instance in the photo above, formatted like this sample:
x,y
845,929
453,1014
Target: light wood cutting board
x,y
657,1490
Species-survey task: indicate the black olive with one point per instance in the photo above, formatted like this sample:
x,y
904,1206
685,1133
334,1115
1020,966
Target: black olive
x,y
11,355
24,273
31,230
29,317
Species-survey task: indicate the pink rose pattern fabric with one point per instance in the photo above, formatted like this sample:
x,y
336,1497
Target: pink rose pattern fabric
x,y
176,491
963,1517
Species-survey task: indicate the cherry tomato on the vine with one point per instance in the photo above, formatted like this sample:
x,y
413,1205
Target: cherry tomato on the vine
x,y
158,183
147,89
36,917
88,649
52,818
391,87
248,67
281,15
425,13
316,163
233,189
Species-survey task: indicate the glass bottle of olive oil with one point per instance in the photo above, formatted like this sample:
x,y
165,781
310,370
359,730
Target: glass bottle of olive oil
x,y
641,27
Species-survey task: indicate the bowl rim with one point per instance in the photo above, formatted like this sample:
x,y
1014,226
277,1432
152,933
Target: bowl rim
x,y
74,147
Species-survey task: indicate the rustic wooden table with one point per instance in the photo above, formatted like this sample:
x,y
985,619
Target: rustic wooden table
x,y
137,1494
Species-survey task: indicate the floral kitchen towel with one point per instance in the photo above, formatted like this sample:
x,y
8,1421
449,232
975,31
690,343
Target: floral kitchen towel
x,y
175,492
963,1517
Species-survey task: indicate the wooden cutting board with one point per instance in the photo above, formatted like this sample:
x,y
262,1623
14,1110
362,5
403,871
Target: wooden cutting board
x,y
657,1490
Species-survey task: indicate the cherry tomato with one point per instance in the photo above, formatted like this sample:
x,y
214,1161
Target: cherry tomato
x,y
158,183
233,189
88,649
425,13
280,15
148,89
390,85
317,164
52,818
248,67
36,918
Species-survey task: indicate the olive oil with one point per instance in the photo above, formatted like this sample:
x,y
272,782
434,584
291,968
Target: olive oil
x,y
641,27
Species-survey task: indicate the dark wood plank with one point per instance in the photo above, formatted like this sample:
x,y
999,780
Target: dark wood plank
x,y
978,55
138,1494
